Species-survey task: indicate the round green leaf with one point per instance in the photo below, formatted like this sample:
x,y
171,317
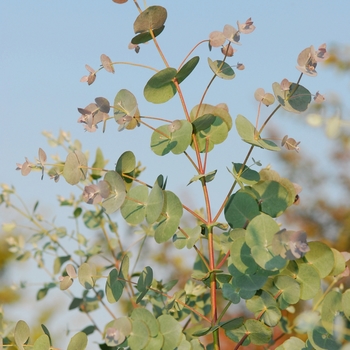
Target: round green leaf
x,y
155,343
171,330
85,275
320,339
92,219
205,110
78,342
154,203
161,88
339,263
171,215
206,177
75,167
248,176
153,17
118,194
289,287
346,303
144,282
21,333
237,334
331,308
42,343
126,163
273,197
163,140
248,133
292,343
187,69
146,36
250,283
133,209
259,236
98,164
240,209
296,103
214,135
241,256
261,231
264,304
114,287
147,317
124,104
309,279
259,333
221,69
230,293
265,258
66,282
321,257
210,128
181,241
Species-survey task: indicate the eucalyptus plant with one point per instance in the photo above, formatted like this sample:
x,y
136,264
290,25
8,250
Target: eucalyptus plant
x,y
244,255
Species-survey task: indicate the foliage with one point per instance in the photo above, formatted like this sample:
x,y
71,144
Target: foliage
x,y
243,254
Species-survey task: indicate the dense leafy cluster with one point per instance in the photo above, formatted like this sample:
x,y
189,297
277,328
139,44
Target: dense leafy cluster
x,y
242,252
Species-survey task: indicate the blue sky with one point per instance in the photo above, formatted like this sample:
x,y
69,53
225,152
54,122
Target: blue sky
x,y
46,44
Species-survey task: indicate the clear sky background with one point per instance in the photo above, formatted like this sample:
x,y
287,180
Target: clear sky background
x,y
46,44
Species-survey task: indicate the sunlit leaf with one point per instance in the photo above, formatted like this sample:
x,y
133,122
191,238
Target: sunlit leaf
x,y
296,99
133,209
320,339
247,175
75,167
98,164
289,287
259,236
78,342
42,343
21,334
321,257
331,308
154,204
86,275
161,88
164,140
221,69
171,330
292,343
147,317
125,105
153,17
339,263
65,282
241,257
118,194
259,333
264,304
249,134
309,279
171,215
206,177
